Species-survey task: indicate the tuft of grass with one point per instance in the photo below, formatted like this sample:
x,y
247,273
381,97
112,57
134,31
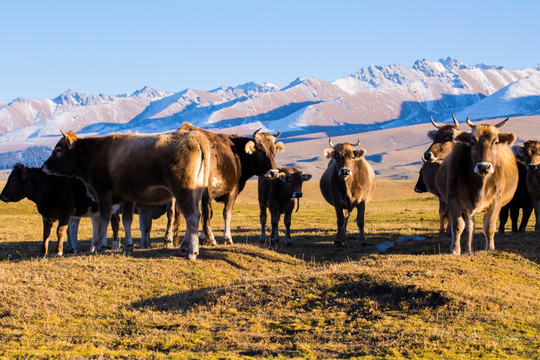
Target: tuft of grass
x,y
248,300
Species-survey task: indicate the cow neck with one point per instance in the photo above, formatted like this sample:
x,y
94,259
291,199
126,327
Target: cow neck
x,y
86,150
247,166
37,180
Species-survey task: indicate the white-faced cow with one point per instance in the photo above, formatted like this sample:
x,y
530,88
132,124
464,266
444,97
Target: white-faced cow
x,y
347,183
531,155
57,199
480,174
443,143
520,201
129,168
235,159
278,196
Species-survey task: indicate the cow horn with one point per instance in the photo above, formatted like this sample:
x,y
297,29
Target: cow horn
x,y
256,131
502,123
434,123
469,122
357,143
278,133
456,124
330,142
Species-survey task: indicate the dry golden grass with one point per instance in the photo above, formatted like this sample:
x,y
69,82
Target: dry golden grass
x,y
311,300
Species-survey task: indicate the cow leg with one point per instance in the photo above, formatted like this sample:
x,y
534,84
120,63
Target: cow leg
x,y
525,218
73,231
95,231
274,221
444,217
503,218
287,222
537,215
169,234
490,219
514,217
145,225
61,233
360,220
190,211
127,219
176,227
227,217
207,235
469,232
115,226
262,218
104,202
47,225
342,216
457,225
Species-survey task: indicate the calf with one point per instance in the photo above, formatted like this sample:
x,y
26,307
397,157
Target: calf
x,y
480,174
57,199
347,183
521,200
278,195
531,155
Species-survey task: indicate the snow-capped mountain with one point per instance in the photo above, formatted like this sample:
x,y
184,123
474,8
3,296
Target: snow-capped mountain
x,y
375,97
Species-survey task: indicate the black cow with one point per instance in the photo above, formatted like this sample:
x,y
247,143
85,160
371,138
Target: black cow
x,y
278,196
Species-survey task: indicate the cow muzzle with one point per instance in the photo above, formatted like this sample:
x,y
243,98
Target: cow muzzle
x,y
297,195
532,167
345,172
484,168
272,174
429,157
5,198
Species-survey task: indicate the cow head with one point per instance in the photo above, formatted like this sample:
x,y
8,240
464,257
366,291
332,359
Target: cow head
x,y
263,148
443,141
18,184
292,180
344,154
530,153
485,141
62,160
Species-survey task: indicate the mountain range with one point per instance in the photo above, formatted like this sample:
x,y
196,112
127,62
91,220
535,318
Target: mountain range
x,y
373,100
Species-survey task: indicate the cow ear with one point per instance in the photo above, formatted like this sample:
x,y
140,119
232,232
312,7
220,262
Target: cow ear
x,y
282,176
508,138
250,147
24,173
358,154
306,177
280,147
518,151
431,134
463,137
328,153
70,137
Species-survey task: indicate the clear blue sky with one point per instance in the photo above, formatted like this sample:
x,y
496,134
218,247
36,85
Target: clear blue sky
x,y
117,47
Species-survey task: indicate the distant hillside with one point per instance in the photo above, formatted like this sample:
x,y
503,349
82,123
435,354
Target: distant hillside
x,y
374,98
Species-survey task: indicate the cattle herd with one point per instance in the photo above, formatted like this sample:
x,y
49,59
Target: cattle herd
x,y
181,172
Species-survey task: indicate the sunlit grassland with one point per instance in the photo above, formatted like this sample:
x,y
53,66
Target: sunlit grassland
x,y
311,300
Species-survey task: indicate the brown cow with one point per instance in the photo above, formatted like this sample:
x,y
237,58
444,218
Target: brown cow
x,y
57,198
347,183
443,143
531,155
278,196
480,174
129,168
235,159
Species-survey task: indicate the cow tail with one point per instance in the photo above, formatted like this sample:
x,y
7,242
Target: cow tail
x,y
204,171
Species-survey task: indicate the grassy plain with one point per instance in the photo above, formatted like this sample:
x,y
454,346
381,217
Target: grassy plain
x,y
311,300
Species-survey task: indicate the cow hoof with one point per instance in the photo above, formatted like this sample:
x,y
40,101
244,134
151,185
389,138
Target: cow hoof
x,y
116,245
227,241
192,257
339,243
59,254
363,243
